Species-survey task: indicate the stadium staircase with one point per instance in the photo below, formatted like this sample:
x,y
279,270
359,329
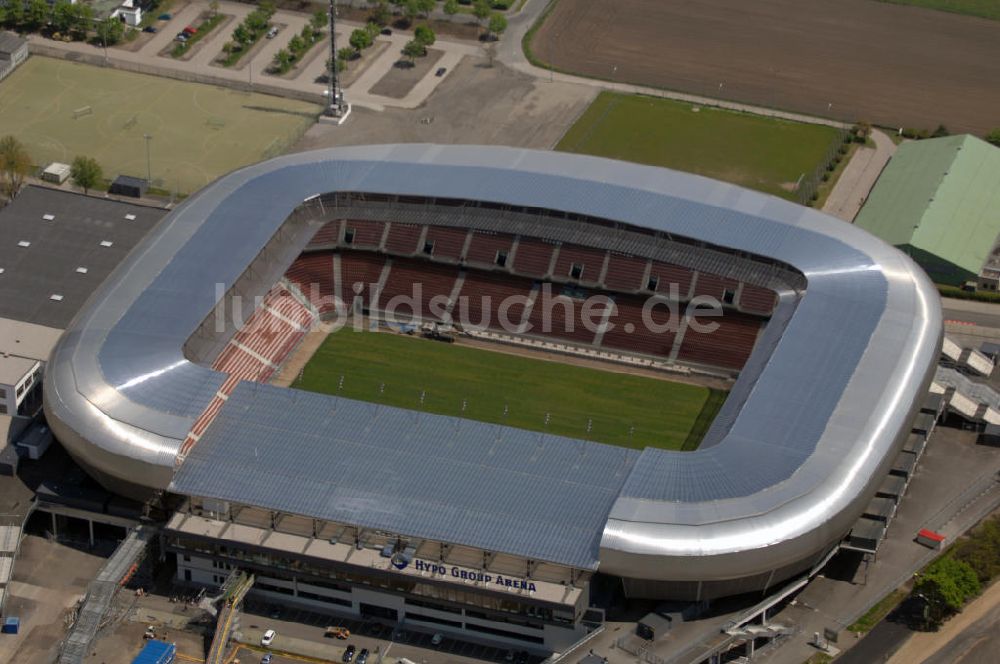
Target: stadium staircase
x,y
965,360
966,397
93,612
237,585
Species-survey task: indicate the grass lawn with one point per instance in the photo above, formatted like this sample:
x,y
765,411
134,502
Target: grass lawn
x,y
875,614
753,151
662,413
981,8
199,132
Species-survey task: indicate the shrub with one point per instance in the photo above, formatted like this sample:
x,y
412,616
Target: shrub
x,y
993,137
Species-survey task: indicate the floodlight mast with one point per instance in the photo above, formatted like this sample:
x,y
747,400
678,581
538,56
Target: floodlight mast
x,y
335,96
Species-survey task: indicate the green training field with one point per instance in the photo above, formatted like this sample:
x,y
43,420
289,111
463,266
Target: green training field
x,y
663,414
753,151
982,8
199,132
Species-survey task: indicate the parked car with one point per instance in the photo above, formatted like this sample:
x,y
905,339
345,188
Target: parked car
x,y
268,638
191,30
266,659
150,29
440,72
387,31
182,37
337,632
348,654
362,656
273,32
436,639
164,17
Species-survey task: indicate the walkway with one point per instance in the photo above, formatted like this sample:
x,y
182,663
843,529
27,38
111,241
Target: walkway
x,y
858,178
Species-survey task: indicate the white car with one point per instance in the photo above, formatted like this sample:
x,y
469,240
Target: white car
x,y
268,638
436,639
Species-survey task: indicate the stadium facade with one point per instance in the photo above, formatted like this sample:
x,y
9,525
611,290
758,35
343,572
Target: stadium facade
x,y
457,525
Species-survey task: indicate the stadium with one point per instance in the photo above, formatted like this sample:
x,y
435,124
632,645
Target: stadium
x,y
159,385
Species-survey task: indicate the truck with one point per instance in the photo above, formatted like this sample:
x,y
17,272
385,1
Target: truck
x,y
157,652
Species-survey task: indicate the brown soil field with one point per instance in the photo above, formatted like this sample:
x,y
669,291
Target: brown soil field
x,y
850,59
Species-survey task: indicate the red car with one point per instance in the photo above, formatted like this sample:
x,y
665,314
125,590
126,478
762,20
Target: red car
x,y
190,30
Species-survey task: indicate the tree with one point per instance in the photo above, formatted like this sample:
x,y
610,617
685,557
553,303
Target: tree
x,y
424,35
373,30
296,44
940,131
410,10
498,23
242,34
426,7
360,40
36,14
946,585
214,6
86,173
110,31
283,60
15,164
994,137
345,53
450,8
380,15
414,49
319,20
62,18
481,10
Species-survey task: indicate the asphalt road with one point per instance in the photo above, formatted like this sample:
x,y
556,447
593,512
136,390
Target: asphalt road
x,y
979,643
982,319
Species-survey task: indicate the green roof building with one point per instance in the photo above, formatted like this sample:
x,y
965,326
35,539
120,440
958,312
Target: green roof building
x,y
939,201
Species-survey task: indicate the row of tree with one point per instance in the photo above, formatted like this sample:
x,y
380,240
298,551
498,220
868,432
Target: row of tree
x,y
16,166
249,31
299,44
483,10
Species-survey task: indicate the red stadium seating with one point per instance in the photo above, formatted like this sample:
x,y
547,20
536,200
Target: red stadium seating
x,y
366,233
416,282
714,286
448,242
629,332
757,300
484,247
625,273
403,239
669,275
591,260
729,346
328,234
313,274
482,295
532,257
360,272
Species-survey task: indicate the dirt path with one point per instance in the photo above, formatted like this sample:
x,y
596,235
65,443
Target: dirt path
x,y
924,645
859,177
290,369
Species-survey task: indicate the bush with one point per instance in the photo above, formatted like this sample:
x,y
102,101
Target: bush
x,y
993,137
946,585
916,134
981,551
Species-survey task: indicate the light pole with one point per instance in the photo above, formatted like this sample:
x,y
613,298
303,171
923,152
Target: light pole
x,y
149,168
335,96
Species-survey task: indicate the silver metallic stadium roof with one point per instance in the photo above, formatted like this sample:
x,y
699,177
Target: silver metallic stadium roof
x,y
441,478
823,408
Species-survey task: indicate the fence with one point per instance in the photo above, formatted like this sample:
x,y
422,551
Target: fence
x,y
98,60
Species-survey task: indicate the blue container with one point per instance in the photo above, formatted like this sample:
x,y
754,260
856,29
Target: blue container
x,y
11,625
156,652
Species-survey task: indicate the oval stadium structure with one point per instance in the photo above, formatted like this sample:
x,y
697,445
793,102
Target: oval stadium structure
x,y
818,411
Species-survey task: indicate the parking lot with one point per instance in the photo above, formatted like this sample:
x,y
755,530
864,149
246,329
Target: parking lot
x,y
302,631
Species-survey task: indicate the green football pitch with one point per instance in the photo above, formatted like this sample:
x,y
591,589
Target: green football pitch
x,y
61,109
753,151
477,384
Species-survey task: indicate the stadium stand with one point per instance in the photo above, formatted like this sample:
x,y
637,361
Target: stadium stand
x,y
403,239
363,233
312,273
490,289
625,273
409,278
711,285
532,258
728,346
363,268
445,242
756,300
628,311
579,264
328,234
484,248
666,275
